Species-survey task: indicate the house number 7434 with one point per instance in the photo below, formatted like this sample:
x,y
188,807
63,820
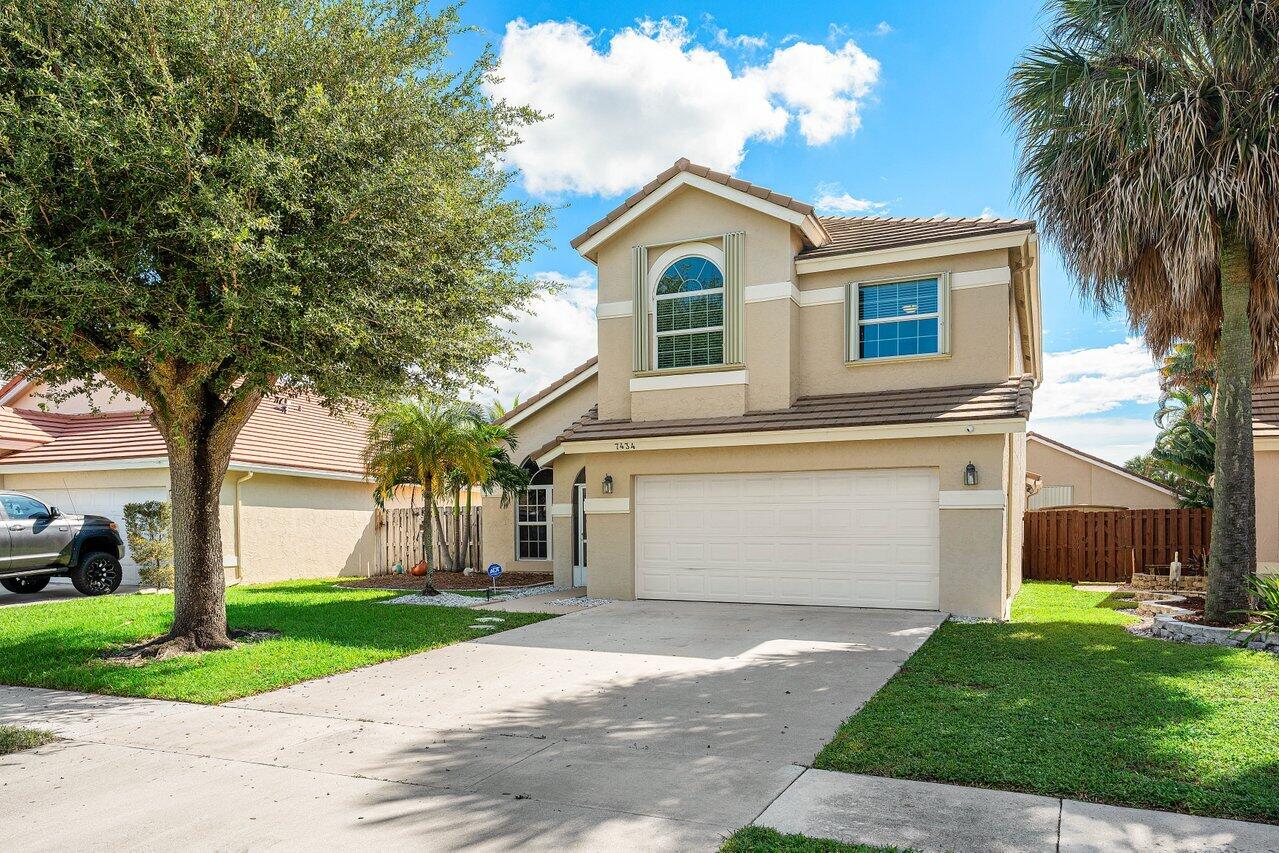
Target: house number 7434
x,y
624,445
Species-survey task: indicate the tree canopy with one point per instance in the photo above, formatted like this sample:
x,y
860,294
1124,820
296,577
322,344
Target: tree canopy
x,y
204,202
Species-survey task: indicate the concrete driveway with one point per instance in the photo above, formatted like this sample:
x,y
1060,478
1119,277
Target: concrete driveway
x,y
648,725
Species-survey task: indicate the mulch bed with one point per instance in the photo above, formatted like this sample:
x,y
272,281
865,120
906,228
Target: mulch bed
x,y
451,580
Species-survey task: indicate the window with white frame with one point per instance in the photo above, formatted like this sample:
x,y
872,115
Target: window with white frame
x,y
688,311
897,319
533,519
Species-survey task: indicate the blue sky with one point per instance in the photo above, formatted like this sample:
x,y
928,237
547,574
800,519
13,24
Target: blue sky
x,y
868,107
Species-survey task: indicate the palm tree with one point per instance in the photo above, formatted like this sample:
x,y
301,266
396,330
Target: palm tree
x,y
1186,387
1150,154
417,442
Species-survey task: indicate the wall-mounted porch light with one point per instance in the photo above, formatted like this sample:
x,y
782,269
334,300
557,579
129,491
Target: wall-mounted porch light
x,y
608,484
970,474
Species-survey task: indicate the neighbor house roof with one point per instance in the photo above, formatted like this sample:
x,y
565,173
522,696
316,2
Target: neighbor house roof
x,y
297,433
852,234
564,384
1265,410
684,165
1011,398
1097,460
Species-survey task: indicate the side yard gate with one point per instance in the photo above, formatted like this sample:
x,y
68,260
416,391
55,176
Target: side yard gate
x,y
1106,546
400,538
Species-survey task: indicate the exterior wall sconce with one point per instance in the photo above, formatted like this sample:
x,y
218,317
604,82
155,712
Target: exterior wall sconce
x,y
608,484
970,474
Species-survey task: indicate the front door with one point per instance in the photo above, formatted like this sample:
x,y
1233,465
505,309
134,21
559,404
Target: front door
x,y
579,525
36,538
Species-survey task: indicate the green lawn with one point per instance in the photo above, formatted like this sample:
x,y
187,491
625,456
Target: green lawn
x,y
15,739
759,839
324,630
1063,701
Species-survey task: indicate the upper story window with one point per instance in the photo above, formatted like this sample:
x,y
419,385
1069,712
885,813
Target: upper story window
x,y
897,319
688,308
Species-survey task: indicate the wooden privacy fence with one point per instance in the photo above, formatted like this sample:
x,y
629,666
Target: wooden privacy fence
x,y
1105,546
400,535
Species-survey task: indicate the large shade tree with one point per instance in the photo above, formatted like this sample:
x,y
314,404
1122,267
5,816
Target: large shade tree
x,y
1150,134
207,202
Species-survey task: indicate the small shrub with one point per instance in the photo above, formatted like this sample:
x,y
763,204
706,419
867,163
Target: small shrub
x,y
1265,603
148,529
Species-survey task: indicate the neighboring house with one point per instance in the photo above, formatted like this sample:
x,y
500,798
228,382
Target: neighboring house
x,y
1071,477
787,408
1265,437
295,502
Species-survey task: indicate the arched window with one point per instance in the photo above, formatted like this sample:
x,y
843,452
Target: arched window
x,y
533,516
688,311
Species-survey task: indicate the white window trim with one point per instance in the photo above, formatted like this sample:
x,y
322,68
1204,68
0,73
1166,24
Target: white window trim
x,y
547,524
655,270
853,324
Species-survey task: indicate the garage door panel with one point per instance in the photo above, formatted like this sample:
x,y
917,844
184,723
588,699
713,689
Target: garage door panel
x,y
853,538
105,502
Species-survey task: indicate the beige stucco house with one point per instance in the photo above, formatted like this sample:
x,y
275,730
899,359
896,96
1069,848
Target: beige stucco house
x,y
1265,437
787,408
295,502
1071,477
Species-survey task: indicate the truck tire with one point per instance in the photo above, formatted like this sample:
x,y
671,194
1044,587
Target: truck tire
x,y
27,585
99,573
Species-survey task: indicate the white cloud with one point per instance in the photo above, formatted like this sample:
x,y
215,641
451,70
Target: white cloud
x,y
740,42
988,213
1095,380
1113,439
561,332
623,111
883,28
832,199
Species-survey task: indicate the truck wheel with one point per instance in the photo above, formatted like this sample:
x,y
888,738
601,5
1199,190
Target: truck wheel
x,y
27,585
99,573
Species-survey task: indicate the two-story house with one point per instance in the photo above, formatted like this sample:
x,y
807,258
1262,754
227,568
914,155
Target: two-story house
x,y
787,408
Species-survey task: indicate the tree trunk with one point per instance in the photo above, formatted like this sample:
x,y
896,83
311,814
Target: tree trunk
x,y
457,530
1233,557
439,531
199,592
470,534
427,545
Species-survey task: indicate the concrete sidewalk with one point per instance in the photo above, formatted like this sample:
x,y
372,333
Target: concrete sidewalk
x,y
927,816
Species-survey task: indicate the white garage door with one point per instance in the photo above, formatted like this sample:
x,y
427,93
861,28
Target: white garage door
x,y
108,502
846,538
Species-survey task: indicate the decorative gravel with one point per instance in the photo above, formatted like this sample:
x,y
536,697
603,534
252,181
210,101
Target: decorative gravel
x,y
581,602
452,599
444,599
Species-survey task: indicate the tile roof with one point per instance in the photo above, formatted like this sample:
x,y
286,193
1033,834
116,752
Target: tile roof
x,y
24,426
853,234
683,165
1265,410
550,389
1011,398
301,434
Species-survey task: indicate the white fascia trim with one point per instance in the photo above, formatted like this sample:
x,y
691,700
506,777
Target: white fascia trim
x,y
1115,469
609,310
807,223
96,465
981,278
1267,443
996,426
706,379
152,463
769,292
289,471
912,253
823,296
561,510
598,506
972,499
552,397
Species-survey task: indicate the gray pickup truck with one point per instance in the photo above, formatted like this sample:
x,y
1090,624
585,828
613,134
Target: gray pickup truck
x,y
38,542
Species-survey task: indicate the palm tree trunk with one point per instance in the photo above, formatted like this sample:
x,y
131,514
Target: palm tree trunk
x,y
469,532
439,531
457,530
1233,558
427,544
